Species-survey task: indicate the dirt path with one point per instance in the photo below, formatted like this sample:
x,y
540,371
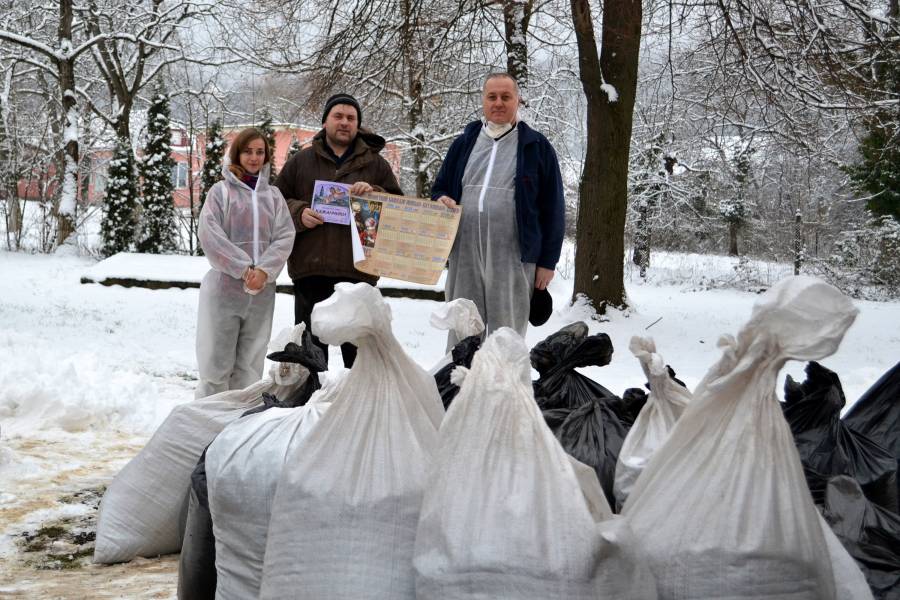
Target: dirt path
x,y
50,487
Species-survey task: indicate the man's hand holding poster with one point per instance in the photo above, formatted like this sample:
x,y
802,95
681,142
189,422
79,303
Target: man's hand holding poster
x,y
392,236
332,201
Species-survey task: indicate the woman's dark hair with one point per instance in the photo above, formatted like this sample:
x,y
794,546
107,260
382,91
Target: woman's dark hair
x,y
241,141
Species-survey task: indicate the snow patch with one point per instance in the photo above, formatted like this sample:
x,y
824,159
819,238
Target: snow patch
x,y
610,91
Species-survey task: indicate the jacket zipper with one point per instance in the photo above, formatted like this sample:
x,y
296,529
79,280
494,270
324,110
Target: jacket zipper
x,y
487,176
255,227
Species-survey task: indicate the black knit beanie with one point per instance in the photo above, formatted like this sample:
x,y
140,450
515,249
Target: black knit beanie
x,y
342,99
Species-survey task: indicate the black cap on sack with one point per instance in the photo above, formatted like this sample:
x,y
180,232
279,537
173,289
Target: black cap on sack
x,y
541,307
342,99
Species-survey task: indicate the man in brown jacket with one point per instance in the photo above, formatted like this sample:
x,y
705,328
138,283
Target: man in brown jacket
x,y
322,255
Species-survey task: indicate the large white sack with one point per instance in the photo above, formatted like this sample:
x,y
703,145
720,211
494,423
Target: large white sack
x,y
460,316
722,509
144,509
666,402
344,518
243,465
507,514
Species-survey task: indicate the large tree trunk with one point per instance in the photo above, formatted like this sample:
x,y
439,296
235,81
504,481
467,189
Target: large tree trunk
x,y
600,237
68,193
733,239
516,14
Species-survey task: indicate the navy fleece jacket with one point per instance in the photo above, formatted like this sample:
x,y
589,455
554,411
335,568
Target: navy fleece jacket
x,y
540,207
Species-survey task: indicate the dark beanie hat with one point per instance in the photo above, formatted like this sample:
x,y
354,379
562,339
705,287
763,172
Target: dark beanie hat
x,y
342,99
541,307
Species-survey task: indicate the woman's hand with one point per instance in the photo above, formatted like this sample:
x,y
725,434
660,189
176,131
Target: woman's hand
x,y
255,279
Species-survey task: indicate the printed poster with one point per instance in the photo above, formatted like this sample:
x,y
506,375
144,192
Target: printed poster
x,y
402,237
332,201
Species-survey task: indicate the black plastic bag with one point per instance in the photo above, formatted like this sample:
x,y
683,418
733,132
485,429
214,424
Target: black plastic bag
x,y
877,412
629,406
557,357
571,347
462,354
197,563
579,410
592,434
870,534
817,483
827,445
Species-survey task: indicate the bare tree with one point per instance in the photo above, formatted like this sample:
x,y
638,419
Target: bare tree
x,y
57,56
610,82
126,63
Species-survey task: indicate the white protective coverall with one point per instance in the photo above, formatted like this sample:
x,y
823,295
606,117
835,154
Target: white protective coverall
x,y
239,227
485,263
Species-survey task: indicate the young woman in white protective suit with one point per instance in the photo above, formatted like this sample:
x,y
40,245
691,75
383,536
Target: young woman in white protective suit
x,y
247,234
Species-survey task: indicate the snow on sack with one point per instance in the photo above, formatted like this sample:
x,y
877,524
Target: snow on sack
x,y
144,509
666,402
243,465
345,513
722,509
507,514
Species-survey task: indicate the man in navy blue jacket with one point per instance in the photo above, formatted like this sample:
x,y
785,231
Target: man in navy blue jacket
x,y
506,178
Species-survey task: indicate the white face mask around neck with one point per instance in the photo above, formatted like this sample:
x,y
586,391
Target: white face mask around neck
x,y
495,130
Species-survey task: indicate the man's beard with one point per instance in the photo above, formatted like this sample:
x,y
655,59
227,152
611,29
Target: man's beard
x,y
336,142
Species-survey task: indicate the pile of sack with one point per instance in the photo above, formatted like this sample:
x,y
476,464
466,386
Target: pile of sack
x,y
144,510
472,481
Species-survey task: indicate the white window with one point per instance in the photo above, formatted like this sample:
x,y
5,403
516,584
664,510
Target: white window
x,y
100,175
177,138
179,175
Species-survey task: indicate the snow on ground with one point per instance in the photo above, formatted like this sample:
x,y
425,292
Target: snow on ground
x,y
87,372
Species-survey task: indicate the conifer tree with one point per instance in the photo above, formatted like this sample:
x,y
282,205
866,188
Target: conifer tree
x,y
212,163
118,224
733,208
877,174
158,227
269,131
293,149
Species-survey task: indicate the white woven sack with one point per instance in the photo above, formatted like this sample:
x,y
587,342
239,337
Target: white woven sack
x,y
666,402
507,514
243,466
461,316
722,509
345,512
144,508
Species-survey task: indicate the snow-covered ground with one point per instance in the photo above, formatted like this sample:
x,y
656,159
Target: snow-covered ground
x,y
87,372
